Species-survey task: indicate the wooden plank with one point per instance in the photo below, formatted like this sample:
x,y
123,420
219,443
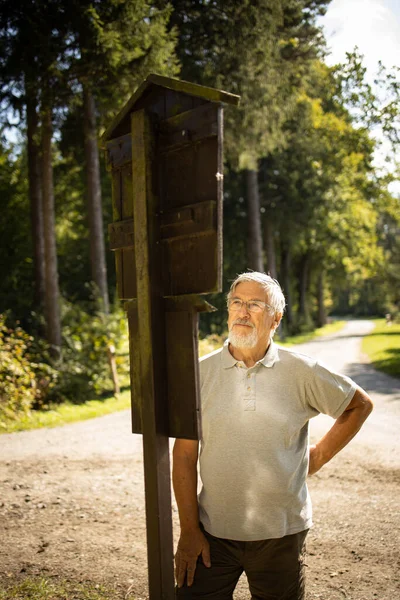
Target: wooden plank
x,y
152,364
192,219
190,265
181,335
116,195
128,254
207,170
182,342
183,385
187,302
135,371
119,151
177,177
129,270
188,136
120,124
194,89
189,127
119,273
127,192
220,199
190,174
176,102
121,234
117,215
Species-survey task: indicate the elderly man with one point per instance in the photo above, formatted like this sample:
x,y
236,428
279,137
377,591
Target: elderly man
x,y
254,510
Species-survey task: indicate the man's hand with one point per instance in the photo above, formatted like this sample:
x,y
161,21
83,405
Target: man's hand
x,y
190,546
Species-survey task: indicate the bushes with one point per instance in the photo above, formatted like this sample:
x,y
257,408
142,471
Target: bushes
x,y
30,380
25,380
84,369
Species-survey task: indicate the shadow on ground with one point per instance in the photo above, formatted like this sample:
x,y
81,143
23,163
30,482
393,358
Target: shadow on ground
x,y
372,381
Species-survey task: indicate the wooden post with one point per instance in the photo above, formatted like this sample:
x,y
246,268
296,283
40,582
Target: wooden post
x,y
151,324
164,150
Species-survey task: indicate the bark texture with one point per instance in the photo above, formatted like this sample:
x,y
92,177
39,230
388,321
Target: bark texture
x,y
254,240
286,283
270,246
52,294
35,196
321,319
95,211
303,287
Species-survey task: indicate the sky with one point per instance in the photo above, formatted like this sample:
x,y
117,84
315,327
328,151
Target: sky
x,y
372,25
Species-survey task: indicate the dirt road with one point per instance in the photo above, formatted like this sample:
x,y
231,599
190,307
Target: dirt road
x,y
72,498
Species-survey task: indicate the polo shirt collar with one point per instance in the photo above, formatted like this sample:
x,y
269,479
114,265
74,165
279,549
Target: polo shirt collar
x,y
270,358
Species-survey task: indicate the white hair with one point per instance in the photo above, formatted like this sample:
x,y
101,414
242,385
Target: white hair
x,y
276,299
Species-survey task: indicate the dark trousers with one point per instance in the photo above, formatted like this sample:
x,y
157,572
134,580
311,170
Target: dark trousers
x,y
274,569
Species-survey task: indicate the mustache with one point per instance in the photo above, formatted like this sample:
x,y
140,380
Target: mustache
x,y
243,322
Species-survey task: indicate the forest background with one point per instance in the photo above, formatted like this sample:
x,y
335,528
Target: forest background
x,y
304,198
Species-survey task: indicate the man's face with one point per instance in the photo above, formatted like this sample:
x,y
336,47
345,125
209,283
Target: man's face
x,y
247,329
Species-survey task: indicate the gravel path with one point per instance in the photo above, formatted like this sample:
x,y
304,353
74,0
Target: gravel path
x,y
72,498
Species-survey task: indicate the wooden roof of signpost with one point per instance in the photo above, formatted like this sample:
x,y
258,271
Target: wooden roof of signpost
x,y
153,81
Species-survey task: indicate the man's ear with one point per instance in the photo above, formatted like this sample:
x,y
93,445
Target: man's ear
x,y
278,318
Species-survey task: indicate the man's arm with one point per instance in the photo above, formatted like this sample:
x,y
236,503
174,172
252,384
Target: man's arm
x,y
192,541
343,430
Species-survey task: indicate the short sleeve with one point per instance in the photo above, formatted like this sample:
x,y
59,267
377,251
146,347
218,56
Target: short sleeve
x,y
328,392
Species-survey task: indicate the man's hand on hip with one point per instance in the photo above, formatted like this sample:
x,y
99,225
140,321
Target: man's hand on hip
x,y
190,546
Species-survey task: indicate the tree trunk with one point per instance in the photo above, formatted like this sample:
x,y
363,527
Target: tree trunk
x,y
270,246
113,368
303,288
321,319
95,212
52,294
285,277
35,196
254,240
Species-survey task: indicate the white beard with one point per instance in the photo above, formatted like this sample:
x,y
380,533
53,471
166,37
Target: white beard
x,y
240,340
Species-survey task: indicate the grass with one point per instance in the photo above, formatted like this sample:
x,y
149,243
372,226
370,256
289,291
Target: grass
x,y
66,413
43,589
382,346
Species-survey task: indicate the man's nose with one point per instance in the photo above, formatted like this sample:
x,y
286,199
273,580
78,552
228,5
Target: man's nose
x,y
244,308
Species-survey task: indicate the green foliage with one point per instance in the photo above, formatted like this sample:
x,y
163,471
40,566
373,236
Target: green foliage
x,y
26,380
113,45
323,196
84,371
30,380
255,49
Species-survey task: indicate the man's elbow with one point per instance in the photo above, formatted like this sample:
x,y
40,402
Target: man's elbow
x,y
364,402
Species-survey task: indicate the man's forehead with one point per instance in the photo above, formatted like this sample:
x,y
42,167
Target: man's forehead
x,y
251,289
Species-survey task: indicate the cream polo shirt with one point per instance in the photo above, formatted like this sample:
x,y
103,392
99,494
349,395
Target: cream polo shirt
x,y
254,446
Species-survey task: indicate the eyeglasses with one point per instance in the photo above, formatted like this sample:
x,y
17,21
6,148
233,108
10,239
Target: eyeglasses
x,y
253,306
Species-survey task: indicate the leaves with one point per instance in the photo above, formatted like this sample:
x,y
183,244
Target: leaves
x,y
25,380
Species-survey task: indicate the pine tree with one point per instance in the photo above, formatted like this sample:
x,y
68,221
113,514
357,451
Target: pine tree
x,y
258,50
